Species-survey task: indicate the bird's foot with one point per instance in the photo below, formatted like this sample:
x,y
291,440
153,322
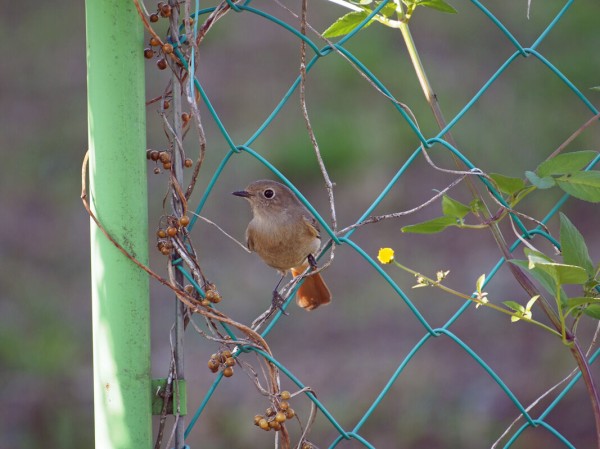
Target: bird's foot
x,y
277,302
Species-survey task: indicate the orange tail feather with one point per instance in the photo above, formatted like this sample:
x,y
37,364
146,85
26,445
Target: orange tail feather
x,y
313,292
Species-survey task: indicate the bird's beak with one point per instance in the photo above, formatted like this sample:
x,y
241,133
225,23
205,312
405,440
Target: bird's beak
x,y
242,193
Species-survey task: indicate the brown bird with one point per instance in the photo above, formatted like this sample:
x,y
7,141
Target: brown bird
x,y
286,237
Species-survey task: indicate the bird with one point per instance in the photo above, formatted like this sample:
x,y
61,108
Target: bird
x,y
286,237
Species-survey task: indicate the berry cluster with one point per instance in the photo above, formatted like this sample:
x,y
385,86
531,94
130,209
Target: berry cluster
x,y
156,47
275,416
212,296
164,235
222,360
164,157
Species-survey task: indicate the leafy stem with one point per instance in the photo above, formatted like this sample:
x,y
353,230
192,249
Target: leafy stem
x,y
479,299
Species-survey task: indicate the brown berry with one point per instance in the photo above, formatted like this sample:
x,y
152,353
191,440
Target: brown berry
x,y
275,425
165,10
167,48
213,365
226,353
205,303
148,53
263,424
171,231
161,64
154,41
154,18
280,417
228,372
153,154
213,296
161,234
188,163
229,361
184,221
270,412
257,419
156,170
167,165
289,413
189,289
185,117
165,251
284,405
285,395
164,156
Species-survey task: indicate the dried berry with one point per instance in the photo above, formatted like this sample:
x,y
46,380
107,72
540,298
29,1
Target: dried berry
x,y
148,53
165,10
263,424
188,163
167,48
213,365
154,41
184,221
285,395
228,372
154,18
164,156
161,64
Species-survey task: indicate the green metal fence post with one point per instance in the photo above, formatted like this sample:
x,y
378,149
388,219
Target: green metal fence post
x,y
118,196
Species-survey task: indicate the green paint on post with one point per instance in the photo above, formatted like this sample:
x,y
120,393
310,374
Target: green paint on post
x,y
118,196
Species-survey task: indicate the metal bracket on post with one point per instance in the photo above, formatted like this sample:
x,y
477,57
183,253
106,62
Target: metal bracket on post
x,y
178,396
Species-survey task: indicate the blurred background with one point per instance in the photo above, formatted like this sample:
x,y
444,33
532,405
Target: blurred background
x,y
347,351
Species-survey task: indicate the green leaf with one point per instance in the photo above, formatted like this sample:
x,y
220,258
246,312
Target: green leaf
x,y
506,184
574,249
565,163
536,255
514,306
584,185
574,303
561,273
439,5
541,183
593,310
479,283
453,208
431,226
521,194
346,24
388,10
545,280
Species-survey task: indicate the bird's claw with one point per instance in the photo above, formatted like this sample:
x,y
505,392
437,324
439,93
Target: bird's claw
x,y
278,301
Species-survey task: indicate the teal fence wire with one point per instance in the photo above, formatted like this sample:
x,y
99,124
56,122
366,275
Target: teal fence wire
x,y
317,52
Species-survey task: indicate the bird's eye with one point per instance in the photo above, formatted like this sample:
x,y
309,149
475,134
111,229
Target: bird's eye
x,y
269,193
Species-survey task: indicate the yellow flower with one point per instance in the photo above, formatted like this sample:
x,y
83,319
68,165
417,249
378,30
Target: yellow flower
x,y
386,255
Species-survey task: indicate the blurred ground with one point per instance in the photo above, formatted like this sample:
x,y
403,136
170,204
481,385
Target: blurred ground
x,y
348,350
